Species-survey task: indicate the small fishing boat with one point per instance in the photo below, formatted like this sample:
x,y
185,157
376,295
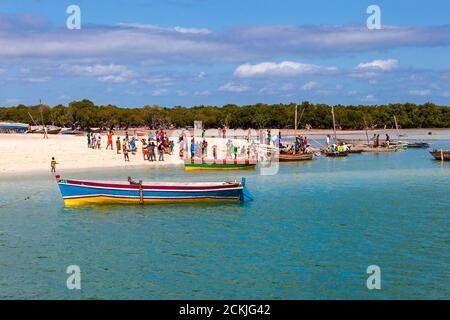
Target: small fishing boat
x,y
82,192
336,154
199,164
285,157
50,129
13,127
355,151
418,144
442,155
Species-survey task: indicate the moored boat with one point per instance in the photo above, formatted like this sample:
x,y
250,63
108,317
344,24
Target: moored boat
x,y
13,127
336,154
82,192
284,157
442,155
199,164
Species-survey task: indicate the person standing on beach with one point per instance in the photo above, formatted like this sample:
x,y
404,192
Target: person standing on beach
x,y
192,148
118,145
125,150
388,140
99,141
328,140
45,132
89,139
151,152
377,140
161,152
110,141
215,152
53,164
269,137
126,136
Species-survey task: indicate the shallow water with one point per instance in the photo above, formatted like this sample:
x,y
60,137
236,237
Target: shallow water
x,y
311,233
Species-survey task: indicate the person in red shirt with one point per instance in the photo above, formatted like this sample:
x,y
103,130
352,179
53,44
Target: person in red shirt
x,y
110,141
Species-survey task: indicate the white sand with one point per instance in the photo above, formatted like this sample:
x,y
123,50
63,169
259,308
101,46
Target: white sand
x,y
26,153
31,153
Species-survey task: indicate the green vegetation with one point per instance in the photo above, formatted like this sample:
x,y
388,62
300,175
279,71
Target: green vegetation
x,y
85,114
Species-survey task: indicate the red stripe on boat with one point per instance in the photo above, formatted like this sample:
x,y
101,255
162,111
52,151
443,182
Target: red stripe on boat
x,y
146,187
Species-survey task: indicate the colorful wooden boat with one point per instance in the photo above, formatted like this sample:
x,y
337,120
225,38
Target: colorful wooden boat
x,y
81,192
336,154
199,164
284,157
442,155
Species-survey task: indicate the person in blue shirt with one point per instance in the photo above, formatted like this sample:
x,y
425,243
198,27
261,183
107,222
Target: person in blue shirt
x,y
192,148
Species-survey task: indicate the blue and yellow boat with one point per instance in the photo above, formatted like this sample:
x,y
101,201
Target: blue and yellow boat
x,y
82,192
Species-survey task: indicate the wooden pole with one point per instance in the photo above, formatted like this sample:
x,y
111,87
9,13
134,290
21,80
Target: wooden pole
x,y
367,134
141,193
396,126
295,132
334,125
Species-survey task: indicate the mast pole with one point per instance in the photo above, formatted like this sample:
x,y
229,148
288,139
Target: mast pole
x,y
295,132
334,125
396,126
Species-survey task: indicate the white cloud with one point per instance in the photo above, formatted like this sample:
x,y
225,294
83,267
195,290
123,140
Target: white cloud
x,y
192,30
159,92
112,73
232,87
309,86
421,92
285,68
200,75
36,79
384,65
369,98
203,93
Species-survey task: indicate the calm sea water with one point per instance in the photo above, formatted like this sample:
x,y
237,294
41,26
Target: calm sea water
x,y
311,233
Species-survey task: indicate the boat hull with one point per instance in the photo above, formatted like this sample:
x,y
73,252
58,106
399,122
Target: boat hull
x,y
220,165
442,155
336,154
295,157
78,192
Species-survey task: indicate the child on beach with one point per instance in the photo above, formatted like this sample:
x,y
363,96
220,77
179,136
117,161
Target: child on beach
x,y
53,164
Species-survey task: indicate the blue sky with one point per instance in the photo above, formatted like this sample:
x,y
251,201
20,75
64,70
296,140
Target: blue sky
x,y
186,52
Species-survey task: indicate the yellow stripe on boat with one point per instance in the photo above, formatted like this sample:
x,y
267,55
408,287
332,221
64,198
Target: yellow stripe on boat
x,y
113,200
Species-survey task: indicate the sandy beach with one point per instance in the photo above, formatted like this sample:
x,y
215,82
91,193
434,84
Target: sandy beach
x,y
27,153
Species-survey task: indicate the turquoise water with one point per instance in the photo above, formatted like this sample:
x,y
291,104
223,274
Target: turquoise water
x,y
311,233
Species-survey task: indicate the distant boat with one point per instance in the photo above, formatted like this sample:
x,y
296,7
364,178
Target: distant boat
x,y
199,164
284,157
418,144
72,132
336,153
13,127
50,129
81,192
443,155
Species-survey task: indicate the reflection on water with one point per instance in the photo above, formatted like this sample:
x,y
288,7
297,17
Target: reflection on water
x,y
311,233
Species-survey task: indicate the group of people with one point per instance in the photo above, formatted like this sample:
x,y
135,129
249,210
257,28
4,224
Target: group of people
x,y
376,140
341,147
158,142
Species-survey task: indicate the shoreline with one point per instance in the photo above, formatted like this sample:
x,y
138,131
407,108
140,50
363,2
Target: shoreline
x,y
31,154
